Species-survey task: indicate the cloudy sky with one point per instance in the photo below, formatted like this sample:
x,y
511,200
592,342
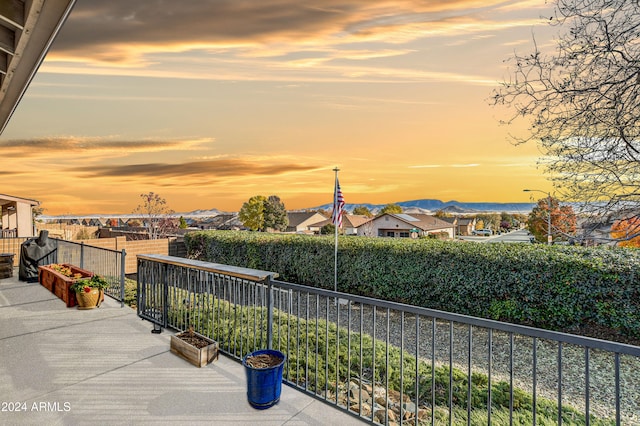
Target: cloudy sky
x,y
210,102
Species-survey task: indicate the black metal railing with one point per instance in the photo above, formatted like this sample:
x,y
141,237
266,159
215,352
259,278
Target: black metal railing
x,y
393,363
106,262
9,233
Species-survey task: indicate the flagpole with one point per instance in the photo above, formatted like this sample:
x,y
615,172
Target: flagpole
x,y
335,254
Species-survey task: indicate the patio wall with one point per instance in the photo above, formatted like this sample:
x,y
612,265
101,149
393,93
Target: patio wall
x,y
12,245
132,248
65,231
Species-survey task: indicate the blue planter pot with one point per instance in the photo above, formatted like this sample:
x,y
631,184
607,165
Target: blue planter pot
x,y
264,384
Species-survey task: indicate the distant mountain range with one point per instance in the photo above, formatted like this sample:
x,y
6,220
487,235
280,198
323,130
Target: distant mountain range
x,y
431,206
426,206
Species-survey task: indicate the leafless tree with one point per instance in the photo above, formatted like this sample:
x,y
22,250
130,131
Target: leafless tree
x,y
155,215
367,229
581,103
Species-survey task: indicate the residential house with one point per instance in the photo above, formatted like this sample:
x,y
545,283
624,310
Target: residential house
x,y
225,221
406,226
305,222
466,225
351,223
595,231
115,222
462,225
317,227
17,216
94,221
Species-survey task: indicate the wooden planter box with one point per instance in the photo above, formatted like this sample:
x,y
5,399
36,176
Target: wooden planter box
x,y
60,284
198,357
47,278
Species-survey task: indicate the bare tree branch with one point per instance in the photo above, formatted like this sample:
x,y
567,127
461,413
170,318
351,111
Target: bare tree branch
x,y
155,214
581,102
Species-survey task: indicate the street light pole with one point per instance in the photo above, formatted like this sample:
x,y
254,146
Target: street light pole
x,y
549,239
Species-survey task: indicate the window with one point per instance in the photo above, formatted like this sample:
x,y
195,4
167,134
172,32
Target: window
x,y
391,234
404,235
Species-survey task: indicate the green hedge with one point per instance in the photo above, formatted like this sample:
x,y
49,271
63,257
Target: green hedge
x,y
553,287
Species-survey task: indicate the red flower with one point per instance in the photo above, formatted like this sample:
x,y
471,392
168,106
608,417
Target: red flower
x,y
87,289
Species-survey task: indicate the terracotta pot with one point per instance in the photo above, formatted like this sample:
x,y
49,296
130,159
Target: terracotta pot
x,y
90,299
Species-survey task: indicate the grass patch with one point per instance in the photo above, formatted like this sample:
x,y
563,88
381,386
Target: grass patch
x,y
130,292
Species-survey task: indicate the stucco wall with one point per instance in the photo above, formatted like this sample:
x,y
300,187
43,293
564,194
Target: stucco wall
x,y
132,248
65,231
24,220
386,223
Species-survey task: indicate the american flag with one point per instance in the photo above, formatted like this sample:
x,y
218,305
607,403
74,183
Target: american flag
x,y
338,206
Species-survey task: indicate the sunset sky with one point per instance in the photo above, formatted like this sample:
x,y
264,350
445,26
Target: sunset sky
x,y
208,103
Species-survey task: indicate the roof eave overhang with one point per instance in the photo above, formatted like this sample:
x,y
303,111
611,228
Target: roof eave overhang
x,y
4,198
34,37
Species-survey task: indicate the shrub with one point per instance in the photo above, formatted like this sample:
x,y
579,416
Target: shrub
x,y
130,292
553,287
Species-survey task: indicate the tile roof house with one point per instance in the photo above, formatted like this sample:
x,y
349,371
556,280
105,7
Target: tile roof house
x,y
407,225
463,225
225,221
307,222
352,222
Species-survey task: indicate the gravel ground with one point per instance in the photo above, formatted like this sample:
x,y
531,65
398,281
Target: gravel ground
x,y
601,364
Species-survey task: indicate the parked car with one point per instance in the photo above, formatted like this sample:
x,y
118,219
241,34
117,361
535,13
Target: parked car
x,y
485,232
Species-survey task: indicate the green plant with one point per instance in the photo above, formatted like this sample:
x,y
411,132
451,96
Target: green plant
x,y
64,270
96,281
130,292
552,287
500,309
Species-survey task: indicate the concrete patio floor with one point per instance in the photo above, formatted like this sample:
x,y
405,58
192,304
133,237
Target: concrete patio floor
x,y
62,365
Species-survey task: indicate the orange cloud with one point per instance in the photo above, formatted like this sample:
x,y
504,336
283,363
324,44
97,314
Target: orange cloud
x,y
62,146
124,33
199,169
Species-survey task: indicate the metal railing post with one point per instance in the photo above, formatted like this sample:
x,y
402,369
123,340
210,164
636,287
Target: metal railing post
x,y
122,271
269,312
139,291
56,256
165,297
